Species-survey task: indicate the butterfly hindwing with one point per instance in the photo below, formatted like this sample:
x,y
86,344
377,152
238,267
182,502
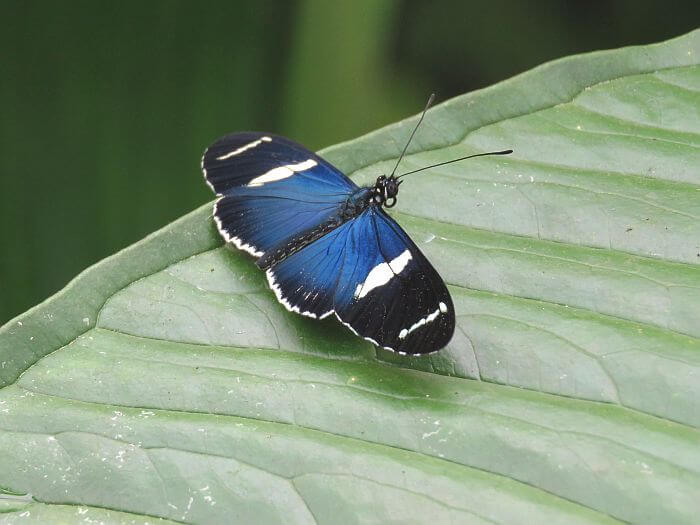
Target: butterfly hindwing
x,y
375,279
271,190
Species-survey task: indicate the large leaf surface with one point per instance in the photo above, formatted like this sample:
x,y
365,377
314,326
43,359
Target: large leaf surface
x,y
167,382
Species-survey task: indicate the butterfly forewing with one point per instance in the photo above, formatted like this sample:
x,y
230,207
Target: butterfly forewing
x,y
257,159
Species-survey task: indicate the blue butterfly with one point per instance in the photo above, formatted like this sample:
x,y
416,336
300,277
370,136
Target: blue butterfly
x,y
326,245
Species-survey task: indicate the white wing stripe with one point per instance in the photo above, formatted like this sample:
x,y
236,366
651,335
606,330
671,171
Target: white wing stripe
x,y
382,274
282,172
248,146
422,322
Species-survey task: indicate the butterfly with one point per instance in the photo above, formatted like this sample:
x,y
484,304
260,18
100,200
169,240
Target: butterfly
x,y
327,246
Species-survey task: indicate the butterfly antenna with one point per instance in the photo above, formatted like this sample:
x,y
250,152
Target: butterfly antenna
x,y
504,152
430,103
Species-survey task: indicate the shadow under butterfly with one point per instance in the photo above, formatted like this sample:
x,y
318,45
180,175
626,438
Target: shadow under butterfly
x,y
326,244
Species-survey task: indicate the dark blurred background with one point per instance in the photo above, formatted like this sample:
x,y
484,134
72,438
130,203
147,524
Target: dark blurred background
x,y
107,106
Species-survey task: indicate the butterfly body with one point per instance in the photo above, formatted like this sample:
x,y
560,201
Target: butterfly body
x,y
326,245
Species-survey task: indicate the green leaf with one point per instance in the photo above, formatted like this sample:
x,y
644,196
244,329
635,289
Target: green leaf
x,y
167,382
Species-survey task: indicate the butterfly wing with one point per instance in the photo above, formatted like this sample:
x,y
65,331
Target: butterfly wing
x,y
376,281
271,190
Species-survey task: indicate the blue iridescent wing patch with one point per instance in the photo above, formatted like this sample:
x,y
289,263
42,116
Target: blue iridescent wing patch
x,y
326,245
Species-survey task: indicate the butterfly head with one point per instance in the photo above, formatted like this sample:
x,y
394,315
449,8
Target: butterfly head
x,y
385,190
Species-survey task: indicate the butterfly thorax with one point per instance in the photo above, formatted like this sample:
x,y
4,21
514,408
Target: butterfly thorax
x,y
356,203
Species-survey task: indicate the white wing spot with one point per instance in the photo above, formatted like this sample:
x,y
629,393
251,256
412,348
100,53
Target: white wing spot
x,y
282,172
248,146
382,274
422,322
